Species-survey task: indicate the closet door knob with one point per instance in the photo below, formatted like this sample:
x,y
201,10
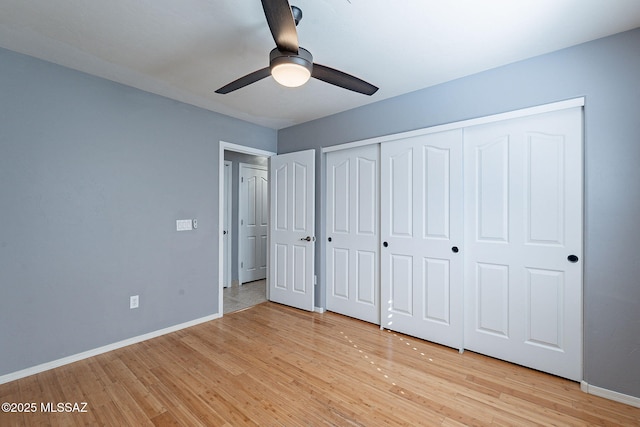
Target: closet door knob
x,y
455,249
573,258
385,244
329,239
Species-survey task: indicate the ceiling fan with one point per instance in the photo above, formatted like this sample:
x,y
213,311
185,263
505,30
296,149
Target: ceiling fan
x,y
289,64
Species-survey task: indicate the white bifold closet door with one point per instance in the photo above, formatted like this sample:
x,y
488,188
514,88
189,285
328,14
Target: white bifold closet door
x,y
523,243
422,235
352,246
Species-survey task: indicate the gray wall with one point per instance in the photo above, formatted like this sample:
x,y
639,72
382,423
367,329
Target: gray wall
x,y
93,175
607,73
238,158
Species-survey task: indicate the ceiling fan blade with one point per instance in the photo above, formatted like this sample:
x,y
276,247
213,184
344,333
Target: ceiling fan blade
x,y
281,23
343,80
245,81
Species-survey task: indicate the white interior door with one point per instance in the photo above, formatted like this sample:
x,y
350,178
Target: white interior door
x,y
421,230
523,244
253,226
292,229
226,231
352,247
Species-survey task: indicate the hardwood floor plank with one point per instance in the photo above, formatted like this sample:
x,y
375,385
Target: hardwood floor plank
x,y
136,385
175,407
107,414
165,420
11,394
274,365
224,407
179,388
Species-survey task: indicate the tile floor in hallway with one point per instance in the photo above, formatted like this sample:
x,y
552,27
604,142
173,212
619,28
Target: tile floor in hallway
x,y
242,296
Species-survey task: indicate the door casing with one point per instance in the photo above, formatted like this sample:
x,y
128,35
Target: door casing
x,y
226,230
223,145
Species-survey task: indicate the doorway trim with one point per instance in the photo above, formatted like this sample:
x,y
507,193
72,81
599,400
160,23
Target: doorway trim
x,y
226,229
239,149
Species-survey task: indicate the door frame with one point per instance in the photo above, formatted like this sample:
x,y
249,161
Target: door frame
x,y
229,146
228,177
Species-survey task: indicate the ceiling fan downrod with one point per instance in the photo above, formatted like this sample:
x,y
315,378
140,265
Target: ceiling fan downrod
x,y
297,14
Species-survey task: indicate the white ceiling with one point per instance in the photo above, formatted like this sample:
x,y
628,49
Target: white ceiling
x,y
186,49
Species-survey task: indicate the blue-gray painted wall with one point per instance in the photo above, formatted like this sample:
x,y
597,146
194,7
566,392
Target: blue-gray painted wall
x,y
93,176
607,73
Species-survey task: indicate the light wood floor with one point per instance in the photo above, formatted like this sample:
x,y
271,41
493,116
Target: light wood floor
x,y
275,366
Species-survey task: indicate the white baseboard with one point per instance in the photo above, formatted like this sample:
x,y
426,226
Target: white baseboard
x,y
609,394
100,350
318,309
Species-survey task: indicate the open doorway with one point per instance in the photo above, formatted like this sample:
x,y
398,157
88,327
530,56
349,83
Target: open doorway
x,y
243,237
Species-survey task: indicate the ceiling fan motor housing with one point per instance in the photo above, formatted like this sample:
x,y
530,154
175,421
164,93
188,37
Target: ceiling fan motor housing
x,y
279,57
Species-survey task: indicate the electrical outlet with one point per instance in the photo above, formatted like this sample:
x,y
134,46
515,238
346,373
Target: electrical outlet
x,y
134,301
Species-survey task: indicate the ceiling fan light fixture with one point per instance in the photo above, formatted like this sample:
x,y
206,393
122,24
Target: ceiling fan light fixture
x,y
290,75
290,69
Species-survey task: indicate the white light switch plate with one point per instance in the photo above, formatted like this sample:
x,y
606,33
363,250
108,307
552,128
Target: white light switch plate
x,y
184,225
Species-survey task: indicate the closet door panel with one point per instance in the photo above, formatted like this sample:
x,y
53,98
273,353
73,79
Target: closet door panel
x,y
399,179
545,326
545,201
340,269
352,247
366,193
400,284
492,302
523,283
492,190
437,206
367,277
436,290
421,230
